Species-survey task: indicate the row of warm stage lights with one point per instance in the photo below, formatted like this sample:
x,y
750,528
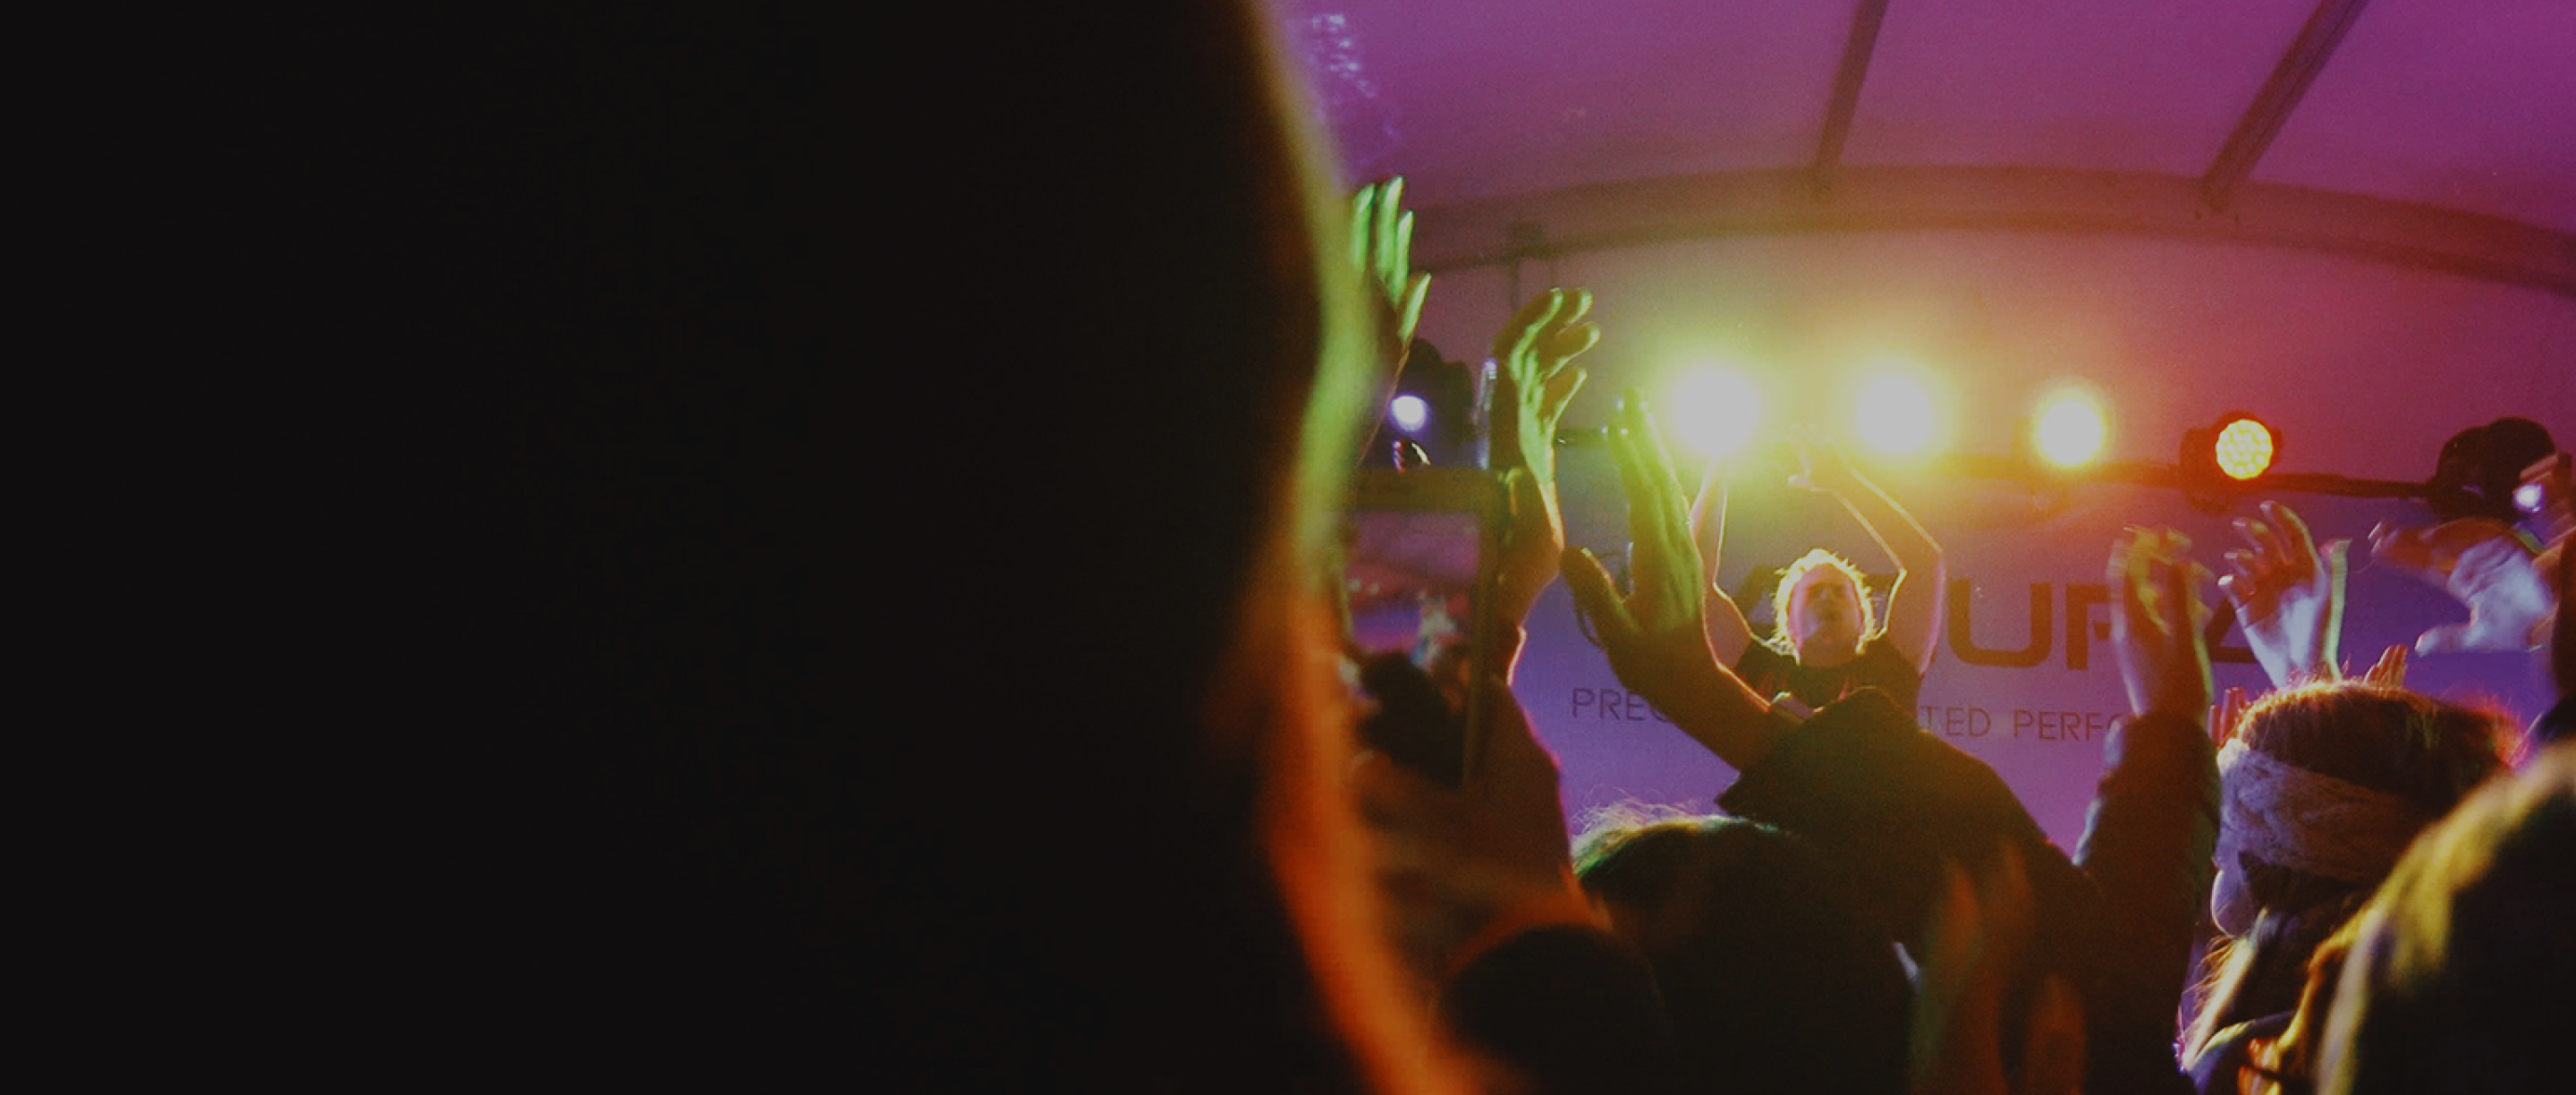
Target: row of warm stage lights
x,y
1714,411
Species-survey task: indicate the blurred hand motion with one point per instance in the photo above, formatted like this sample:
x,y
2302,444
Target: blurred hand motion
x,y
2484,565
2158,621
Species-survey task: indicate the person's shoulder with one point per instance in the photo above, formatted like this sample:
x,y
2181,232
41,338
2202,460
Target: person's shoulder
x,y
1878,649
1760,654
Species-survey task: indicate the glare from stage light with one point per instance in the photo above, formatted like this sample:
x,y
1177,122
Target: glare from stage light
x,y
1896,415
2070,429
2244,448
1711,410
1410,412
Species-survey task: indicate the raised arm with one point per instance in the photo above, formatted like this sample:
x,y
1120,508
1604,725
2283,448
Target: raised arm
x,y
1913,611
1656,637
1728,633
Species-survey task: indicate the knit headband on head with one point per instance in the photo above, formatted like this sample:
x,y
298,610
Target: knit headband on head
x,y
2291,817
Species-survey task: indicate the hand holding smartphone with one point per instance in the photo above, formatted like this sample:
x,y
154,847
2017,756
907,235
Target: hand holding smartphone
x,y
1420,550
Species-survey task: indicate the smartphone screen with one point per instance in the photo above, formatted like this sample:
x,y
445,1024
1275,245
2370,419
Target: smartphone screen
x,y
1414,572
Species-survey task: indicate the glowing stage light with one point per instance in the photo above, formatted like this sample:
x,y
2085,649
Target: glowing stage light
x,y
2070,429
2219,461
1711,410
2244,447
1410,412
1896,415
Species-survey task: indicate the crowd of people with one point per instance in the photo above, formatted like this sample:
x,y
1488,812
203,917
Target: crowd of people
x,y
1201,882
1873,910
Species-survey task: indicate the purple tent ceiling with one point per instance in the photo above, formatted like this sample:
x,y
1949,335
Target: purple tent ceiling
x,y
2465,106
2191,202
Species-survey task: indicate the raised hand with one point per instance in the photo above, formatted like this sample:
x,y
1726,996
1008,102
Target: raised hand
x,y
1822,467
1728,633
1655,634
2390,671
1382,248
2158,621
2483,564
1534,384
2224,717
2288,596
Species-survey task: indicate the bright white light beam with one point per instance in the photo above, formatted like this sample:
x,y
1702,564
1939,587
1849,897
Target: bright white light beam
x,y
2070,429
1711,410
1896,415
1410,412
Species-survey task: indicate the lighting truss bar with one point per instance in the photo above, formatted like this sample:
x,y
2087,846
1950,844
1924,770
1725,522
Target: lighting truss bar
x,y
2154,474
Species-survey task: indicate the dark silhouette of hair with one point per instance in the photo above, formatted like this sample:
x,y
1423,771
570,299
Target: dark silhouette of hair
x,y
763,599
2479,467
2459,977
1774,977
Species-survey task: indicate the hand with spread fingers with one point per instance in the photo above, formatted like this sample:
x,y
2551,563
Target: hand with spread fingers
x,y
2485,565
2157,621
1534,383
2288,596
1655,633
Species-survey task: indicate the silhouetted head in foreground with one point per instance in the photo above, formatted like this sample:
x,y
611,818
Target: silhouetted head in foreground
x,y
2462,975
1772,976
